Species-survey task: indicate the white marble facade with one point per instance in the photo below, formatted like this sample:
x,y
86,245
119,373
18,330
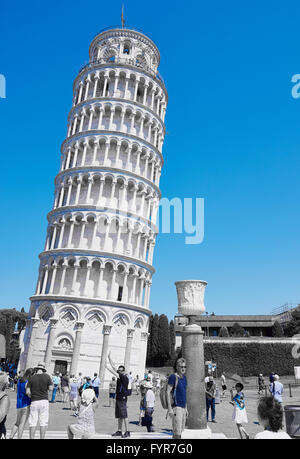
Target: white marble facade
x,y
93,289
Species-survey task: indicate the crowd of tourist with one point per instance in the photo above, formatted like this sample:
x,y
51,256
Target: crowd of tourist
x,y
81,393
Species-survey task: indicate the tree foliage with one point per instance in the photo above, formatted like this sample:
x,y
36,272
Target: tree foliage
x,y
12,322
161,341
293,326
277,330
237,330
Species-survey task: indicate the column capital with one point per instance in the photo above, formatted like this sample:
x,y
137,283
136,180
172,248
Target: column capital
x,y
130,332
107,329
35,321
53,322
79,325
144,336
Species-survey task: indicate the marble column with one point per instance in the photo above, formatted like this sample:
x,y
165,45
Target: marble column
x,y
50,341
130,333
104,353
32,344
191,303
76,351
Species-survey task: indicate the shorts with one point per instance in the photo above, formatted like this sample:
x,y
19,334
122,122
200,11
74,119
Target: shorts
x,y
39,412
112,395
179,419
121,409
66,389
78,431
21,414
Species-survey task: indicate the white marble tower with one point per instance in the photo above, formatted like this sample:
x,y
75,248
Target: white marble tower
x,y
93,289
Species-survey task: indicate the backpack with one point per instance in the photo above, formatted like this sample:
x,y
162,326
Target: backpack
x,y
163,393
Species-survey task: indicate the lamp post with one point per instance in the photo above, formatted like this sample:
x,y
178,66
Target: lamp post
x,y
190,295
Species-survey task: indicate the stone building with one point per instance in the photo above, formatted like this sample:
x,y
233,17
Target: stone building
x,y
93,288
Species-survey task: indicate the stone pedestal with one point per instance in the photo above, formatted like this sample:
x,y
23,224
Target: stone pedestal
x,y
193,353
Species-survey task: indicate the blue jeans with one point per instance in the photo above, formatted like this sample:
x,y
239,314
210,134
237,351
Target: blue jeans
x,y
210,403
148,419
54,393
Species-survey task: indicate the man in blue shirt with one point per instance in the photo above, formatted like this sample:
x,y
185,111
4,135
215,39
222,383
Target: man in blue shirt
x,y
176,397
56,382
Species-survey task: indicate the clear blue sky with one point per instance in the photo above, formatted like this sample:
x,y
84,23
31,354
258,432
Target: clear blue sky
x,y
233,139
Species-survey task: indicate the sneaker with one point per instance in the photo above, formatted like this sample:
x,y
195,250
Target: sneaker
x,y
117,434
213,420
126,434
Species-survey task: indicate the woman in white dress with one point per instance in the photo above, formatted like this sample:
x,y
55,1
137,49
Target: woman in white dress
x,y
239,415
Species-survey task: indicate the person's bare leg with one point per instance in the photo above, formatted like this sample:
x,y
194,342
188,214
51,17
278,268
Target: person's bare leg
x,y
70,434
43,430
125,425
120,424
22,424
32,431
13,432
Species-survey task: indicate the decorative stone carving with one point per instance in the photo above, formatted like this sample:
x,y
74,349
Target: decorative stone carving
x,y
190,295
65,344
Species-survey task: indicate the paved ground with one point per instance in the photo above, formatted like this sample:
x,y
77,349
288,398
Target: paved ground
x,y
61,416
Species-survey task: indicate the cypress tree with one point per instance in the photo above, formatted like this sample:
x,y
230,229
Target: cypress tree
x,y
172,334
163,340
154,340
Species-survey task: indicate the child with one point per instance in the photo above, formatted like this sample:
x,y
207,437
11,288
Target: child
x,y
239,415
73,393
85,427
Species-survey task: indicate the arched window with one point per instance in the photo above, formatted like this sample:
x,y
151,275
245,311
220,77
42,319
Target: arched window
x,y
126,48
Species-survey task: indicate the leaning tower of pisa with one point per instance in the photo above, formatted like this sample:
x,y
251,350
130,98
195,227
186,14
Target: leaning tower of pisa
x,y
93,289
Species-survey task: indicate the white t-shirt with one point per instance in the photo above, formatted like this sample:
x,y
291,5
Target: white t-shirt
x,y
268,434
150,398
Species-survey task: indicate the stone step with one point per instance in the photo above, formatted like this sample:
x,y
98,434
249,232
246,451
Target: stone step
x,y
60,435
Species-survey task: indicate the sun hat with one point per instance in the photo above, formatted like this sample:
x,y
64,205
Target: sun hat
x,y
40,366
88,395
148,385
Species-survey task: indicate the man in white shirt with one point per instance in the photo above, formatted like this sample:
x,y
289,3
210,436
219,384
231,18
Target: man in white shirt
x,y
150,376
96,384
130,383
149,405
276,389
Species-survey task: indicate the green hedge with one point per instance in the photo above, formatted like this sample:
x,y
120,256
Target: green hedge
x,y
250,359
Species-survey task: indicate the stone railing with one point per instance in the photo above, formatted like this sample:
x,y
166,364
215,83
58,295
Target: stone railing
x,y
124,61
